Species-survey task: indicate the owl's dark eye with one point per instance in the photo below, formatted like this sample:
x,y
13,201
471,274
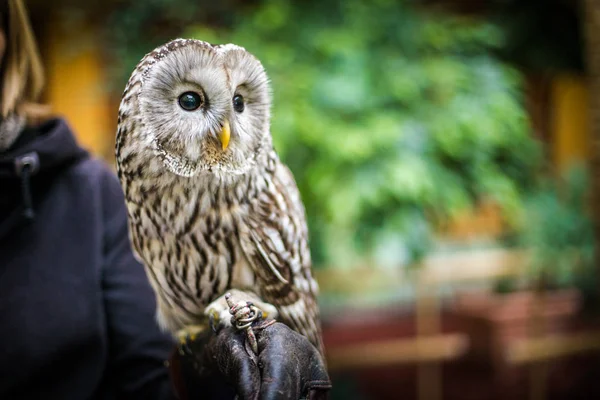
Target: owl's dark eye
x,y
238,103
190,101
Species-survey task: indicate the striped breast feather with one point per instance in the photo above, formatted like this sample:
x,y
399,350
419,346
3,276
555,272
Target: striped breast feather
x,y
276,246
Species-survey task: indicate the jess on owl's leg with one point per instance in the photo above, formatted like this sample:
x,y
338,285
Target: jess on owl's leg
x,y
228,311
219,315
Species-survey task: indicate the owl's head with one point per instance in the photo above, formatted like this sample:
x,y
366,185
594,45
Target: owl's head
x,y
203,108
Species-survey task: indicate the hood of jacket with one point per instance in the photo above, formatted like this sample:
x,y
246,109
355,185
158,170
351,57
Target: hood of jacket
x,y
30,165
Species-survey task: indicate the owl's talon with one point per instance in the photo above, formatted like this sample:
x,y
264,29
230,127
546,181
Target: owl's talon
x,y
184,349
214,320
187,336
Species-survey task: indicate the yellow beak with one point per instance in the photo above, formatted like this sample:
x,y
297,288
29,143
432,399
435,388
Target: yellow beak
x,y
225,134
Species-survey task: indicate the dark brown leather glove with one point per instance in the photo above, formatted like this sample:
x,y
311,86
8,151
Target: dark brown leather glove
x,y
223,366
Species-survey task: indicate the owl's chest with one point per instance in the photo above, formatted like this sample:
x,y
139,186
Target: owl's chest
x,y
218,244
199,250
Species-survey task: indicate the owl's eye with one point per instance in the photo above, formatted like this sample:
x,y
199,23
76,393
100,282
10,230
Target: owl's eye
x,y
238,103
190,101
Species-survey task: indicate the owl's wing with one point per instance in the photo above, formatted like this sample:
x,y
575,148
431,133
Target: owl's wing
x,y
276,246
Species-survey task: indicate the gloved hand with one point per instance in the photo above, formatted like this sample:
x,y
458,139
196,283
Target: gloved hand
x,y
222,365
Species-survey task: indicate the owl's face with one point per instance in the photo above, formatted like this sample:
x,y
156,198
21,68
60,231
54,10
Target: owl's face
x,y
205,108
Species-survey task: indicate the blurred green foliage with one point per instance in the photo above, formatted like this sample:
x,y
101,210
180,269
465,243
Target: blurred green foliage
x,y
560,233
137,27
391,119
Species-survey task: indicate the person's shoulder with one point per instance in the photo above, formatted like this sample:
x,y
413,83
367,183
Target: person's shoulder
x,y
97,172
99,180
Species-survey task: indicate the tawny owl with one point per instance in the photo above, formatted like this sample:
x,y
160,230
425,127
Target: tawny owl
x,y
211,207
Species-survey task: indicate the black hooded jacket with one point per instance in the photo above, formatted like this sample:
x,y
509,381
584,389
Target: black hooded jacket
x,y
76,309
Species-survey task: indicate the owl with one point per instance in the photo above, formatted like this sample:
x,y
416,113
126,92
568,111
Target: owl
x,y
211,208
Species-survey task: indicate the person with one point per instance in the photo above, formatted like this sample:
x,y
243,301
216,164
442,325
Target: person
x,y
77,313
76,310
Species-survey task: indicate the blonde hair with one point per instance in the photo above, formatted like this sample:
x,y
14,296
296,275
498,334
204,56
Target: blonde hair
x,y
22,70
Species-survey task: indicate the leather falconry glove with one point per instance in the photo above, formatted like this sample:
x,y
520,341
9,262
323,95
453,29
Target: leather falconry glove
x,y
222,365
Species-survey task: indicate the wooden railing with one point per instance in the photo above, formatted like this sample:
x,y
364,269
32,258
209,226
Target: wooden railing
x,y
430,347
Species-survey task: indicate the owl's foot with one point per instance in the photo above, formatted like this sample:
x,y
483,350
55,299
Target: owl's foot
x,y
218,311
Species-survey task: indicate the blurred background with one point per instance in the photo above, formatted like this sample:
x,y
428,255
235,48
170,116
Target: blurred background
x,y
445,154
